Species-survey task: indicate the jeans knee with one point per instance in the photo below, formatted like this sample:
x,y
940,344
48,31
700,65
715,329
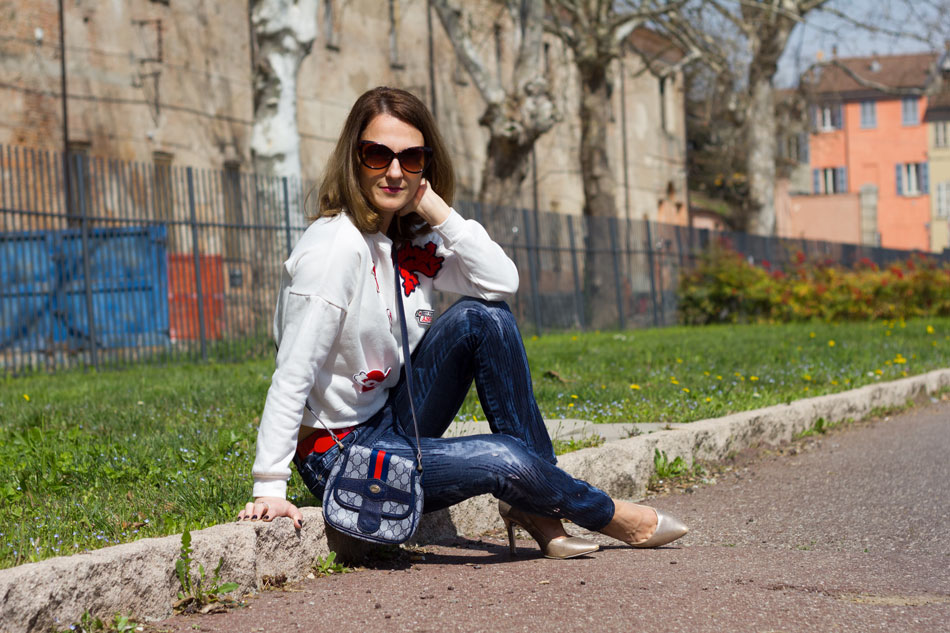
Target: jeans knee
x,y
488,318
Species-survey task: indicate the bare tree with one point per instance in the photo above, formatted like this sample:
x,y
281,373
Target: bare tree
x,y
283,31
516,114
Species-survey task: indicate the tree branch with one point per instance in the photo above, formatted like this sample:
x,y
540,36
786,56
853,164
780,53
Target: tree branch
x,y
451,17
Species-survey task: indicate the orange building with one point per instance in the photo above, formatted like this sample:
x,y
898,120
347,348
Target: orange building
x,y
868,143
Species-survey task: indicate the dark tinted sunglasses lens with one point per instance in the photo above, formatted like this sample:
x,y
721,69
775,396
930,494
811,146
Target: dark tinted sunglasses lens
x,y
413,159
376,156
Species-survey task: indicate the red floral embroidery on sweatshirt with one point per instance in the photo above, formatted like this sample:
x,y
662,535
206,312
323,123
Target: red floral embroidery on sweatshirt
x,y
417,259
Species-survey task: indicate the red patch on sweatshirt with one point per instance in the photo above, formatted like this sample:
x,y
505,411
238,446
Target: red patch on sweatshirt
x,y
417,259
369,380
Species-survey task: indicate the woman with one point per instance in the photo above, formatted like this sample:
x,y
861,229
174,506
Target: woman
x,y
388,185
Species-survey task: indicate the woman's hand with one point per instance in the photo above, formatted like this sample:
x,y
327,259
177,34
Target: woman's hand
x,y
428,204
268,508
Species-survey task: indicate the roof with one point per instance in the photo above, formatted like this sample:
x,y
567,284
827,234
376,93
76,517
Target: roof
x,y
655,46
890,71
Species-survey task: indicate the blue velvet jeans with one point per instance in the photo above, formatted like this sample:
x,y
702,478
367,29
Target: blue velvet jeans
x,y
474,340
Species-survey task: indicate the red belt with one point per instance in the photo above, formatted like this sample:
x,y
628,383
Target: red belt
x,y
320,441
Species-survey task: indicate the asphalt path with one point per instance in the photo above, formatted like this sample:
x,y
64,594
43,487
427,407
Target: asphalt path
x,y
846,531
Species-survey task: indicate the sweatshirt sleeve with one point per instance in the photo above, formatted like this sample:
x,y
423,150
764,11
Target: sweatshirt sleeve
x,y
309,319
474,264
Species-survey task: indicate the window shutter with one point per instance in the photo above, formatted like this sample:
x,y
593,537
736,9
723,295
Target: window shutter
x,y
841,182
836,116
923,170
900,187
816,181
803,148
813,117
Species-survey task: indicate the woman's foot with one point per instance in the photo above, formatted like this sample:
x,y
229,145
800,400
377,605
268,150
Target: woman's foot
x,y
549,533
643,526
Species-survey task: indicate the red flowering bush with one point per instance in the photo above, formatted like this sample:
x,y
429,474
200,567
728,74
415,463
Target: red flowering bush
x,y
725,287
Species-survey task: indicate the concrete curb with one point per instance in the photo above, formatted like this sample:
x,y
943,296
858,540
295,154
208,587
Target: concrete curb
x,y
139,577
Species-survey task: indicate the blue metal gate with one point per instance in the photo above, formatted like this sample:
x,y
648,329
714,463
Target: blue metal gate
x,y
46,300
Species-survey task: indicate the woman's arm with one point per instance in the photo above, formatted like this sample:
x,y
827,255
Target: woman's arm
x,y
473,264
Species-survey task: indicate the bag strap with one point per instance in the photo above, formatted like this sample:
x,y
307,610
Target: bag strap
x,y
407,358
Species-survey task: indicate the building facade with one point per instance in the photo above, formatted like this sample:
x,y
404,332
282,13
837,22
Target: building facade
x,y
868,152
170,82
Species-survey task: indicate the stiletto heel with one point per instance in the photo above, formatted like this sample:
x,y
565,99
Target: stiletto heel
x,y
567,547
511,536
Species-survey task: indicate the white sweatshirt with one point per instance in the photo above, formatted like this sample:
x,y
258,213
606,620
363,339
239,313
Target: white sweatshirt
x,y
336,329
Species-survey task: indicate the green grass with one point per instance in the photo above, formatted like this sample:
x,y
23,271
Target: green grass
x,y
96,459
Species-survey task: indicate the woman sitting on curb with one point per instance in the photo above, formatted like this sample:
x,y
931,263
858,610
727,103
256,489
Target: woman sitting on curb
x,y
388,185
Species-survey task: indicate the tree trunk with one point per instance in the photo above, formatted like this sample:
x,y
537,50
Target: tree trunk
x,y
284,31
761,156
599,198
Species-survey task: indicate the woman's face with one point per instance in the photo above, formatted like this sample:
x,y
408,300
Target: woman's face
x,y
389,190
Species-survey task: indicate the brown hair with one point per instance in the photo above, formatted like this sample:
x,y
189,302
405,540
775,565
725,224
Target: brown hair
x,y
340,189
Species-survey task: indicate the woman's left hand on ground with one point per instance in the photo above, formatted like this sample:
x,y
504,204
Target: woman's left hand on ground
x,y
269,508
428,204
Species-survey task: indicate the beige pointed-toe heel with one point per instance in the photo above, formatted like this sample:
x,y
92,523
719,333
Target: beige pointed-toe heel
x,y
668,529
564,547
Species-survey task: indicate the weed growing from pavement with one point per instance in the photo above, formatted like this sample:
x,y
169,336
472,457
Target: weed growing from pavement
x,y
328,566
89,623
200,594
118,455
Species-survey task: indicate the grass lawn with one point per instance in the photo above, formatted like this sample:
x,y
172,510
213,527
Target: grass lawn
x,y
97,459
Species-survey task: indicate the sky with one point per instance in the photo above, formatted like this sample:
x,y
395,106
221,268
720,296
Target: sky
x,y
821,32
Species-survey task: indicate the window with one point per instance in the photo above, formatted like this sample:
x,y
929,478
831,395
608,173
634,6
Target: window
x,y
163,196
394,35
940,134
909,111
943,199
912,179
795,148
330,27
80,199
829,180
233,212
868,115
827,117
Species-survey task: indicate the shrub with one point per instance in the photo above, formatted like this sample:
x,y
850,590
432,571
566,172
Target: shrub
x,y
724,287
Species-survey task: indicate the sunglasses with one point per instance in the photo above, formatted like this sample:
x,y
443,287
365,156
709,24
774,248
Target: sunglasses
x,y
378,156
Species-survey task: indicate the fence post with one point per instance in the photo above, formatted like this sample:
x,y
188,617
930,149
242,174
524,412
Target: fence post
x,y
616,258
656,318
578,300
86,268
287,214
195,248
532,270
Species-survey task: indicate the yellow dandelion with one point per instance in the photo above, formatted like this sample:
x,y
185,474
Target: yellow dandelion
x,y
753,378
933,343
831,343
705,373
718,377
534,338
674,381
807,376
708,399
834,382
26,397
573,338
806,388
570,405
811,335
878,372
574,395
679,360
685,390
903,373
635,387
930,329
603,386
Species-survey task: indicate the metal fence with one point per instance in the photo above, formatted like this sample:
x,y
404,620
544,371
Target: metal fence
x,y
107,262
